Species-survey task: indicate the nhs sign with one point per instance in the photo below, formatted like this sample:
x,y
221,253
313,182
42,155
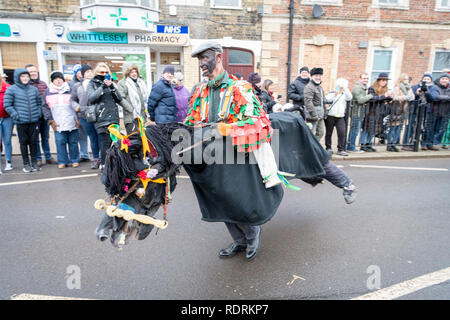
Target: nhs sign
x,y
172,29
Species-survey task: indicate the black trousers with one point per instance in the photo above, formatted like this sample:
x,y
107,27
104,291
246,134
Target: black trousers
x,y
339,123
105,141
28,137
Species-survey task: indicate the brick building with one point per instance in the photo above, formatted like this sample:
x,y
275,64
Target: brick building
x,y
55,35
394,36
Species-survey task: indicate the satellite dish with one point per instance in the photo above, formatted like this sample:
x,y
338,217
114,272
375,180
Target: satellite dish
x,y
317,11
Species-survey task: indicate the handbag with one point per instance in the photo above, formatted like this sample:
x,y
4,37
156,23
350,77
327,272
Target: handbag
x,y
91,113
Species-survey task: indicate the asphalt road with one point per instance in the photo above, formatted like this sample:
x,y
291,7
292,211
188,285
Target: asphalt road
x,y
398,225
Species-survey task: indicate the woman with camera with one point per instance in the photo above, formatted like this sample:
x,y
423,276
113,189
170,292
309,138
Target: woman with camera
x,y
103,95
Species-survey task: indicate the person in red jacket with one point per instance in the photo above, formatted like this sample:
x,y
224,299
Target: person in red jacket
x,y
6,127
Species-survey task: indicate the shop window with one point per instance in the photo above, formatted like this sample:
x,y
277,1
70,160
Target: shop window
x,y
442,5
441,62
240,57
226,4
172,58
382,62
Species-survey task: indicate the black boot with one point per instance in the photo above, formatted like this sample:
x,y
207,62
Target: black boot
x,y
231,250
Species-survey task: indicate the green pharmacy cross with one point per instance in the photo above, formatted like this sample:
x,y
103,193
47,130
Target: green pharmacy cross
x,y
147,20
91,17
118,17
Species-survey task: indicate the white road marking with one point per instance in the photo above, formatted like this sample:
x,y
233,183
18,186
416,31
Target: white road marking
x,y
407,287
400,168
60,217
28,296
48,179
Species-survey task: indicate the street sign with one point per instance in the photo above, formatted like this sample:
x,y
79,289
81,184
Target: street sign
x,y
50,55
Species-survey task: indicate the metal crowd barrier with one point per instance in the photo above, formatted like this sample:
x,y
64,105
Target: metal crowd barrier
x,y
391,123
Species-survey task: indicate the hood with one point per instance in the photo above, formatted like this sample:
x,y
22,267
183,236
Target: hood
x,y
305,81
17,73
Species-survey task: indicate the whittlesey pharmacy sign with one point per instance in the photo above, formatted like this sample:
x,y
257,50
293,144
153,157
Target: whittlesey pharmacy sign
x,y
97,37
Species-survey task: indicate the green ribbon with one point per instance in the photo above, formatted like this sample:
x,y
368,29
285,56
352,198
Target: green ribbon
x,y
113,137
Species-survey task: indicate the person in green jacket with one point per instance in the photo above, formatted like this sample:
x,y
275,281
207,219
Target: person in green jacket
x,y
360,98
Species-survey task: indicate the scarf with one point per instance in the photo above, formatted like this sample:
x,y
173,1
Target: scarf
x,y
217,81
136,92
405,88
63,88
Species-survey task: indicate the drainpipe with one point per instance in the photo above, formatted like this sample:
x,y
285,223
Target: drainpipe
x,y
291,18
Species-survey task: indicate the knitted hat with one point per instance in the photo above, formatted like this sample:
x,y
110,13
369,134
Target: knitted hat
x,y
444,75
316,71
169,69
303,69
84,68
254,78
427,75
76,68
55,75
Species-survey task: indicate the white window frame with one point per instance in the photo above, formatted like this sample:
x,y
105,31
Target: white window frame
x,y
392,70
238,7
118,4
402,5
436,50
440,7
337,3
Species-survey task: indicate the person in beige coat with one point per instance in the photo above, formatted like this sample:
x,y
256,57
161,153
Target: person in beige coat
x,y
134,92
398,111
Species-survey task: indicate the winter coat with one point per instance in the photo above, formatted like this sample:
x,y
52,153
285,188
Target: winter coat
x,y
399,107
78,98
162,106
267,101
105,100
314,101
127,104
296,92
360,98
40,85
441,99
182,96
3,87
23,102
57,107
339,103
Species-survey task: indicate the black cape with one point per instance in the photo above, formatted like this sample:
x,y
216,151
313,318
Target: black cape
x,y
236,192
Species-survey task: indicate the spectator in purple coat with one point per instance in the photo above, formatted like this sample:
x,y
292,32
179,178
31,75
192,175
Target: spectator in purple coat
x,y
182,96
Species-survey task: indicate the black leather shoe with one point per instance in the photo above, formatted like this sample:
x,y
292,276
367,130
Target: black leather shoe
x,y
231,250
253,246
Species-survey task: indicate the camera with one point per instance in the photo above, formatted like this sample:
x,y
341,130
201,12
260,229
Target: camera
x,y
423,86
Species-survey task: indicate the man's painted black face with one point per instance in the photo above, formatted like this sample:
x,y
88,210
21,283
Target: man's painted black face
x,y
208,62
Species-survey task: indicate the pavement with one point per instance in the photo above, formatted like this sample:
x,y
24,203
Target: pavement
x,y
380,154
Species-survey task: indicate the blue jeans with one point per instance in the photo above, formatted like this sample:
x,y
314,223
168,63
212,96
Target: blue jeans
x,y
355,128
82,140
409,129
366,137
89,128
44,130
6,127
66,139
393,135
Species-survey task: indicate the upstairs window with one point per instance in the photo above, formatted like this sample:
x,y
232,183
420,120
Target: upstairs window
x,y
391,4
442,5
441,62
152,4
226,4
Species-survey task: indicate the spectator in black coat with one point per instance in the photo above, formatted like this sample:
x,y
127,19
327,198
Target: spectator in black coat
x,y
295,91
